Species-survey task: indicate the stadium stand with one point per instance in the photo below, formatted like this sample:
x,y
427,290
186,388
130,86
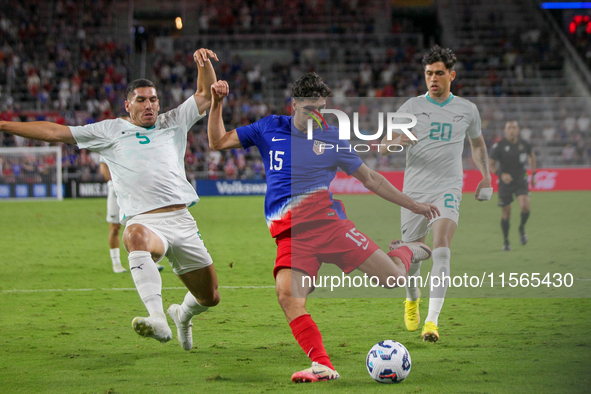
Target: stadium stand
x,y
507,50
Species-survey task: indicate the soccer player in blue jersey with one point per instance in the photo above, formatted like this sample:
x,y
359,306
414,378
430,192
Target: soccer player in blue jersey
x,y
309,226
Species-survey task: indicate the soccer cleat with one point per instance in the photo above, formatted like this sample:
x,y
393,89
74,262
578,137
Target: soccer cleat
x,y
523,237
506,247
118,268
184,331
316,373
430,332
412,317
151,327
160,267
419,250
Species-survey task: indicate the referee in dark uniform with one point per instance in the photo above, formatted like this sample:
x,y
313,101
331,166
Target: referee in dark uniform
x,y
511,154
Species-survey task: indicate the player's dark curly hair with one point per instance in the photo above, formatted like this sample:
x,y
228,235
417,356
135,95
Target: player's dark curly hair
x,y
439,54
138,83
310,85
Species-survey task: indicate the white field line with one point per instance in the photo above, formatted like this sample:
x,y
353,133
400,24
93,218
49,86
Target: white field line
x,y
173,288
126,289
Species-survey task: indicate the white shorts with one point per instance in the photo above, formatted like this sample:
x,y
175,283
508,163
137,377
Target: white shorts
x,y
414,226
112,206
178,231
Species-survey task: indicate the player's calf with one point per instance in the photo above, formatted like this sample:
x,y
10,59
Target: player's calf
x,y
523,238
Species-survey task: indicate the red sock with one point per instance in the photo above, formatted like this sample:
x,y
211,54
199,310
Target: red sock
x,y
308,336
404,254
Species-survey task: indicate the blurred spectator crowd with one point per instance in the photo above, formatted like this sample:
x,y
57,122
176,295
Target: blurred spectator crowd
x,y
230,17
28,168
53,64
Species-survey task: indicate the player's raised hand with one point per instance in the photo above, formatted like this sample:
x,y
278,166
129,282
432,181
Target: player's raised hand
x,y
219,90
405,140
429,211
203,55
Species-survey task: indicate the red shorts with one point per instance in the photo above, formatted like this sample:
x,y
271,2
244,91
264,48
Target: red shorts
x,y
335,242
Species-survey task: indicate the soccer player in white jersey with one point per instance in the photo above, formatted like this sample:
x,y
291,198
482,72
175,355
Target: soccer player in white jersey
x,y
113,220
434,174
146,160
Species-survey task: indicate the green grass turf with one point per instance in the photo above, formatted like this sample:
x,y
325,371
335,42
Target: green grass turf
x,y
73,341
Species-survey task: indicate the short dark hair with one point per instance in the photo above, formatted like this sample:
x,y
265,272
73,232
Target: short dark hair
x,y
310,85
439,54
138,83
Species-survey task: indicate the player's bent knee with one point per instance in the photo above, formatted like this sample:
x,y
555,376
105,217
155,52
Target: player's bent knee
x,y
289,301
506,212
136,237
115,228
211,299
284,297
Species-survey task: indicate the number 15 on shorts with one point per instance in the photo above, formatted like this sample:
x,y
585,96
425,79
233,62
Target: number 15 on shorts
x,y
358,238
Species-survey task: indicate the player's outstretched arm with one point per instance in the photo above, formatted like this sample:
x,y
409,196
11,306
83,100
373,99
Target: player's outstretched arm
x,y
42,131
205,77
219,139
378,184
480,157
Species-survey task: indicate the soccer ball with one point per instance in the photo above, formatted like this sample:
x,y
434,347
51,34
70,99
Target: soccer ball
x,y
388,362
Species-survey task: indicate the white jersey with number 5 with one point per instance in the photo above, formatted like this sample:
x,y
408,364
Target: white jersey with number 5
x,y
147,164
434,163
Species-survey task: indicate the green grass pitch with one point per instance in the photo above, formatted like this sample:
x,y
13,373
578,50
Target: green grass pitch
x,y
65,318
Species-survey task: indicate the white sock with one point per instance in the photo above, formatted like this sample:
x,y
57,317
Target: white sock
x,y
147,281
115,256
190,307
441,266
412,292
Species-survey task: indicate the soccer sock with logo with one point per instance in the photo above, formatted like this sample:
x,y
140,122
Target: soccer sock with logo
x,y
441,267
147,281
524,217
190,307
505,227
308,336
115,256
404,254
412,292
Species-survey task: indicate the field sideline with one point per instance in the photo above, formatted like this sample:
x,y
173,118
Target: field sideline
x,y
65,317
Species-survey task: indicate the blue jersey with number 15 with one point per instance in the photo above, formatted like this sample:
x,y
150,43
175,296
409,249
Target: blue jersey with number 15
x,y
298,170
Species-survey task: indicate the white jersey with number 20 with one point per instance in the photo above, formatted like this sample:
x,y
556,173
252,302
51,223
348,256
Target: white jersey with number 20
x,y
434,163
